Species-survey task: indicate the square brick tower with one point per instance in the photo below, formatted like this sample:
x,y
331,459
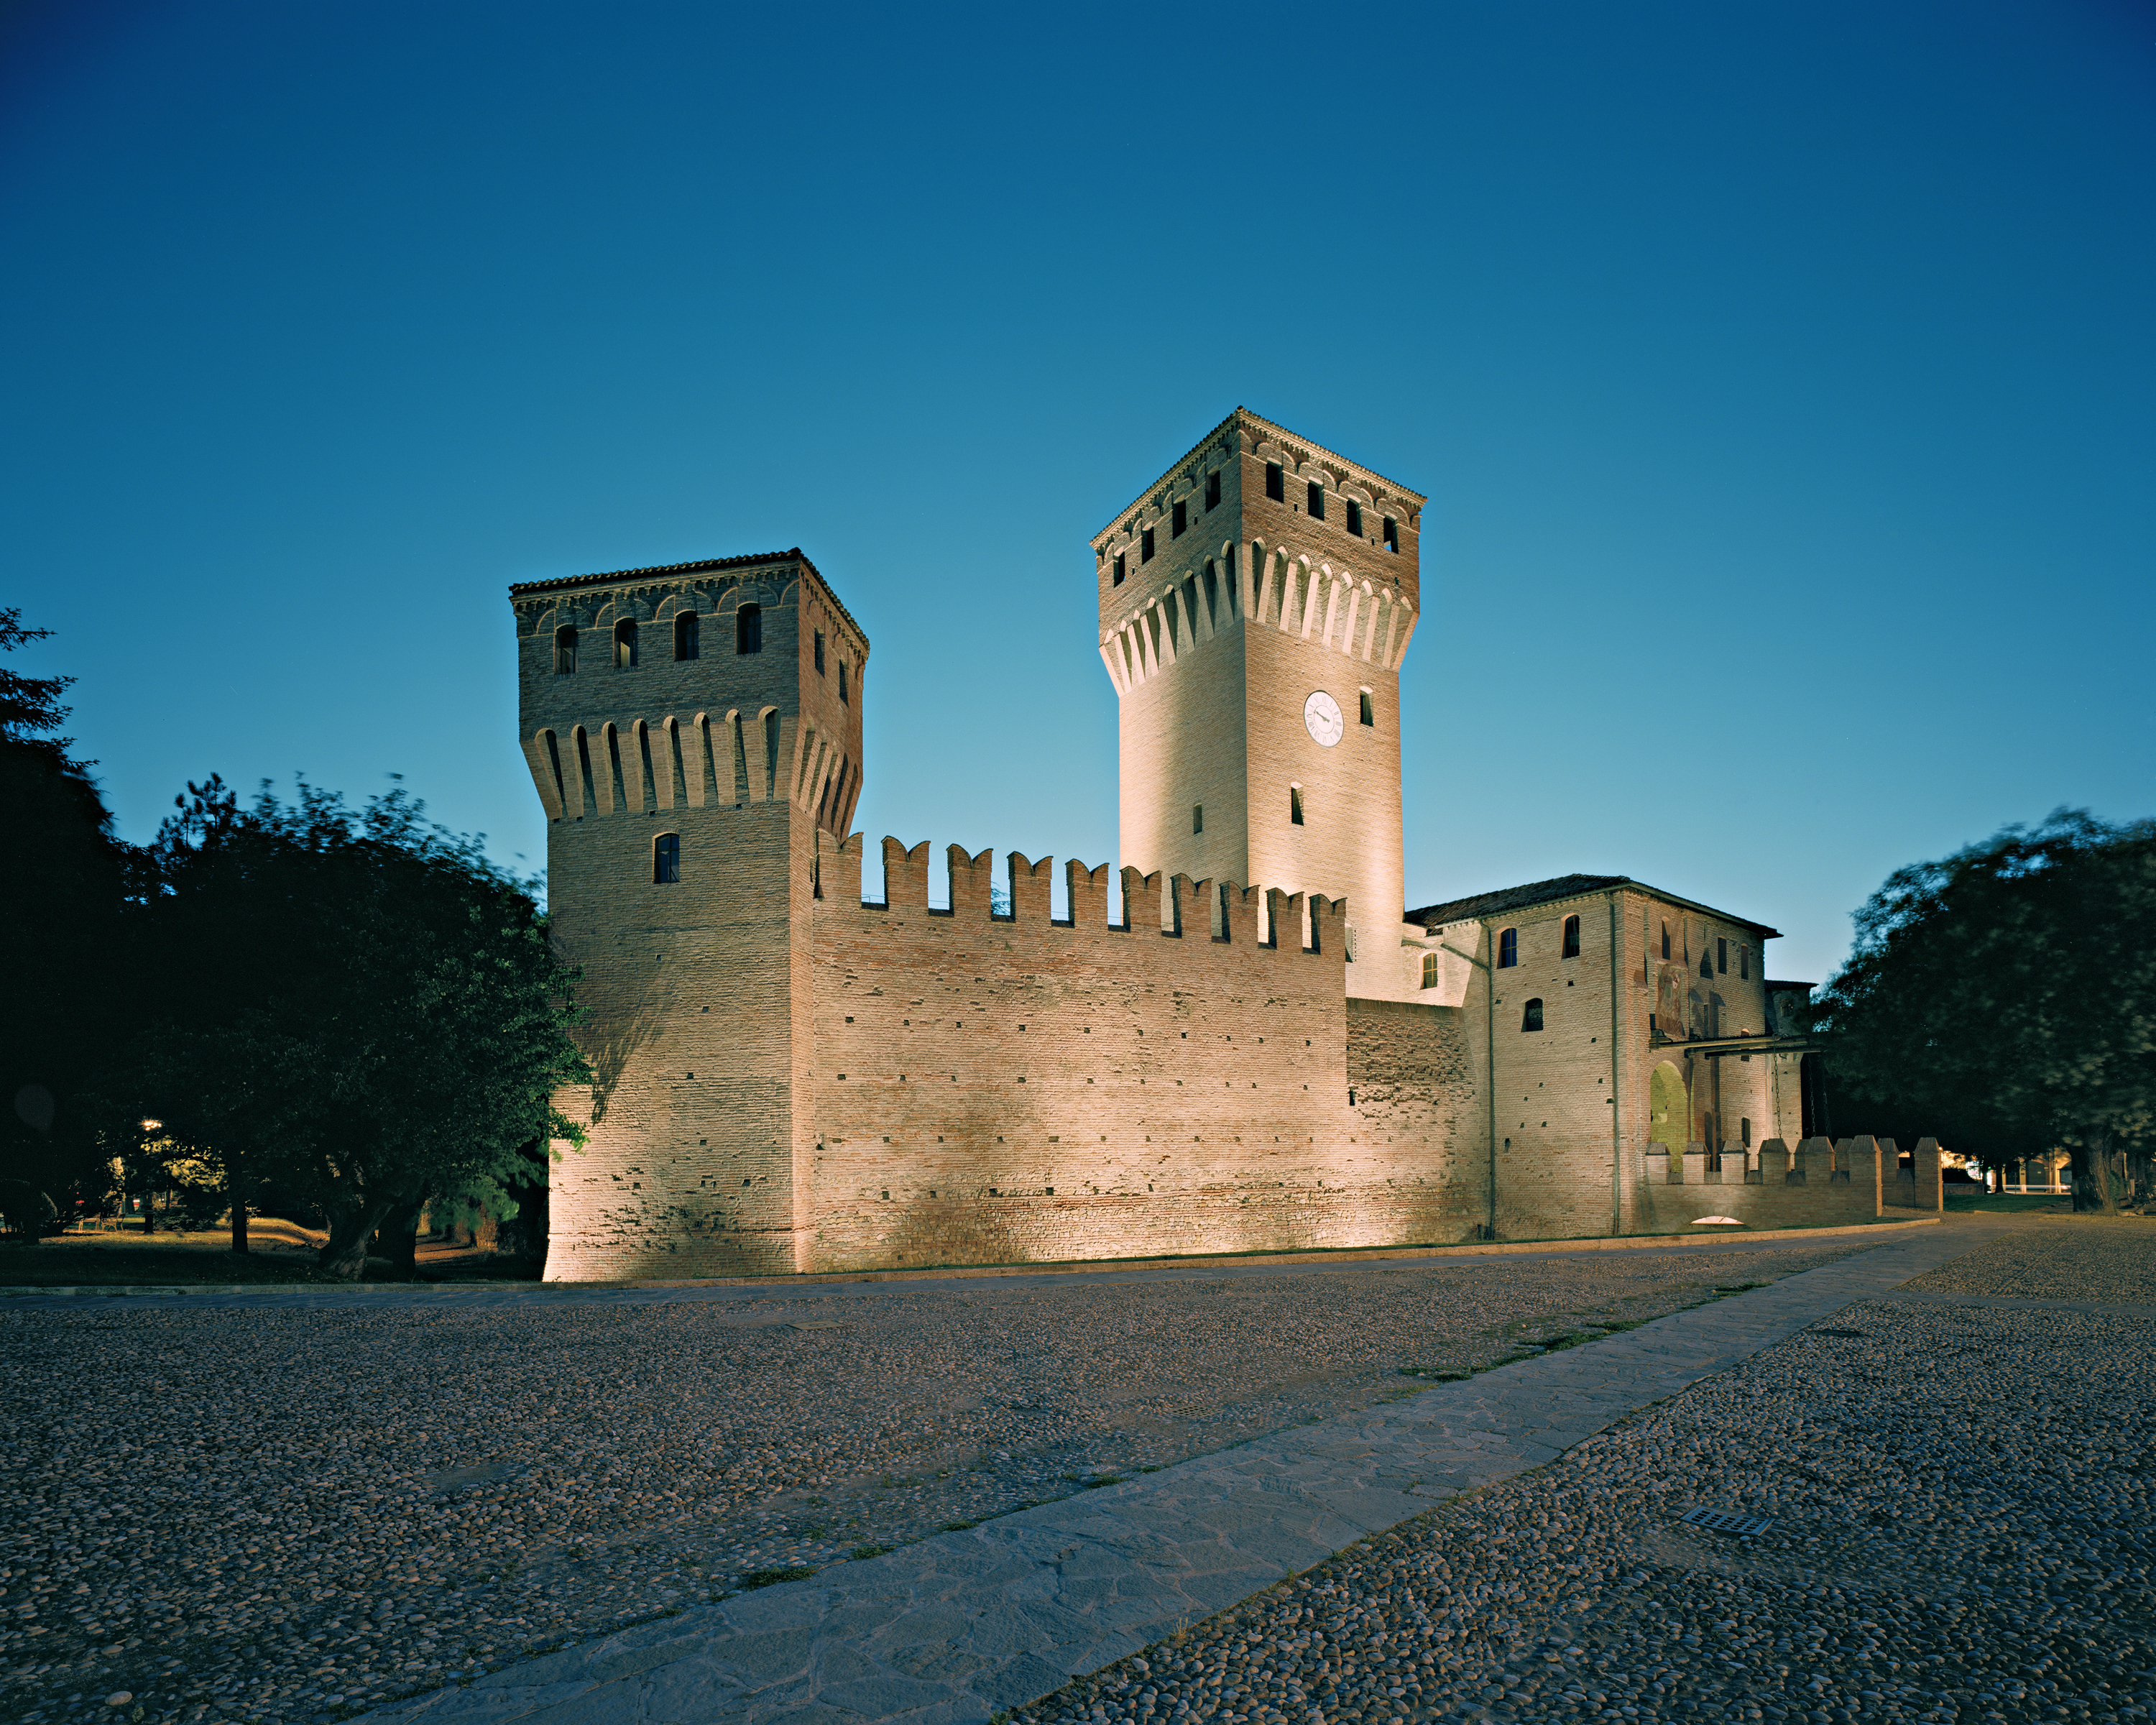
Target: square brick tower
x,y
1254,606
694,733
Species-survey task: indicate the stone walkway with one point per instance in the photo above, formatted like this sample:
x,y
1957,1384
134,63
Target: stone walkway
x,y
966,1625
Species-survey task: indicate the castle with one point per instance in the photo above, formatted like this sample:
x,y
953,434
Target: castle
x,y
1266,1051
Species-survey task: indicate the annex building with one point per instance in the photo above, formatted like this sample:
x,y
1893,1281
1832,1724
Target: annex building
x,y
1267,1050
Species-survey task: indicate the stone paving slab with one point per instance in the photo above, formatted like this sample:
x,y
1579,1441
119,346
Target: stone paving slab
x,y
949,1630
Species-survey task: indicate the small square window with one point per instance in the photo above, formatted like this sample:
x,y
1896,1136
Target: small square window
x,y
819,652
1197,817
1369,712
1354,517
1392,534
1212,492
1118,581
1317,501
1144,546
1179,519
1276,482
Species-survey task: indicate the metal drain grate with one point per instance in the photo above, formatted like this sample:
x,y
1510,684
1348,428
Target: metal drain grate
x,y
1721,1521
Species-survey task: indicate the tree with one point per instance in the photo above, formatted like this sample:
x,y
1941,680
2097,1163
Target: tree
x,y
64,878
2012,987
359,1007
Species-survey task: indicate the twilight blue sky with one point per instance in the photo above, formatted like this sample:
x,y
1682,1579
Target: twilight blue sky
x,y
1781,376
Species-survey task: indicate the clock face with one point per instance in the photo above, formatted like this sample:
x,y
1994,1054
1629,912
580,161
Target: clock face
x,y
1321,717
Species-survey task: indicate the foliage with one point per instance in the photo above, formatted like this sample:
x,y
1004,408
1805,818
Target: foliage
x,y
359,1007
2011,988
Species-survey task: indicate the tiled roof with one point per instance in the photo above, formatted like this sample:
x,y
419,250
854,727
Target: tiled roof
x,y
1542,892
796,555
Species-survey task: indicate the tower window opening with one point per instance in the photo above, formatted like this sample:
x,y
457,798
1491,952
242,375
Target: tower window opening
x,y
1144,546
1212,492
1213,596
1721,956
819,652
1197,817
1744,963
1571,937
771,751
688,634
748,629
624,646
1665,940
565,652
1531,1018
1369,711
1118,581
1317,501
1276,482
1430,970
843,695
1508,949
1179,519
1392,534
1354,517
666,859
1295,804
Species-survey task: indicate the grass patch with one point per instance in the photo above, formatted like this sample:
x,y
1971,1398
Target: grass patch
x,y
956,1526
771,1577
862,1553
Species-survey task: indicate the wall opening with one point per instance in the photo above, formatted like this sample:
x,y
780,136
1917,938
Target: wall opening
x,y
1508,948
1430,970
748,629
666,859
1571,937
565,652
625,645
1531,1016
688,634
1295,804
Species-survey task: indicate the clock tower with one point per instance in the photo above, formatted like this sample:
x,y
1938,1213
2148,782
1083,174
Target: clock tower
x,y
1254,606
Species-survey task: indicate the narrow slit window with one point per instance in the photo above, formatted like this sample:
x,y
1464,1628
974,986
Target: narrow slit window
x,y
1369,711
1508,949
624,646
1144,546
1118,581
1721,956
1531,1017
1430,970
1294,805
565,652
1179,520
1212,492
1392,534
845,697
748,629
1571,937
666,859
771,751
1665,940
1276,482
1354,517
1317,505
819,652
1744,963
688,634
1197,817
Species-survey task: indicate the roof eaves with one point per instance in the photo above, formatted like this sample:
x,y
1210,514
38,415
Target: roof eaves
x,y
1479,905
518,589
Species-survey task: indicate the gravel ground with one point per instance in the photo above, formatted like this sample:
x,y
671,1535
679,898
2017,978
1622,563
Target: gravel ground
x,y
256,1513
1962,1530
2090,1258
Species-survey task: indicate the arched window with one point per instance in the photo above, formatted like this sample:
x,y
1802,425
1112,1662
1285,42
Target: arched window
x,y
748,629
1532,1017
1572,937
1665,940
1508,949
666,859
565,652
1430,970
625,645
688,634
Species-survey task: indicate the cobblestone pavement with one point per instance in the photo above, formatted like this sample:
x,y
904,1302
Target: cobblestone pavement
x,y
1961,1529
272,1507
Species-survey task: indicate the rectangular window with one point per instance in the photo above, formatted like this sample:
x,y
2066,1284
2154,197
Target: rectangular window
x,y
1212,492
1179,519
1722,956
1144,546
1571,948
1197,817
1317,501
1295,804
1118,581
1369,712
1392,534
666,859
1354,517
842,681
1276,482
819,652
1744,963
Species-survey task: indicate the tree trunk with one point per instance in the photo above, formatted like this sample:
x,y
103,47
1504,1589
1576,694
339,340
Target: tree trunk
x,y
2091,1166
150,1210
239,1224
399,1232
352,1223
